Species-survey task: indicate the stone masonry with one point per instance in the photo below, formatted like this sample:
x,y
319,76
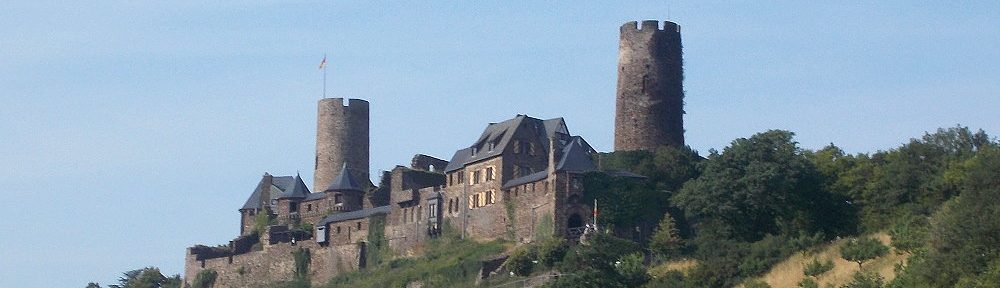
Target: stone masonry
x,y
649,105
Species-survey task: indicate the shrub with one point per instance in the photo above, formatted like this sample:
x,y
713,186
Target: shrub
x,y
808,283
756,284
551,251
205,278
631,270
522,261
815,268
862,249
865,280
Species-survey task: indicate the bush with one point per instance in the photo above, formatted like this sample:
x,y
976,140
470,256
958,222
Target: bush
x,y
816,268
756,284
631,270
205,278
865,280
552,251
808,283
522,261
862,249
763,254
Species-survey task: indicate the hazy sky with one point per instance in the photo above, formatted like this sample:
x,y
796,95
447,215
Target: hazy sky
x,y
131,130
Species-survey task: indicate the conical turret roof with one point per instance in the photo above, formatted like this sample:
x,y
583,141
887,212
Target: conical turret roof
x,y
298,190
344,182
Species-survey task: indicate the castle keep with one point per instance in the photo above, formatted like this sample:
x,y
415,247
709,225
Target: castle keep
x,y
521,180
649,105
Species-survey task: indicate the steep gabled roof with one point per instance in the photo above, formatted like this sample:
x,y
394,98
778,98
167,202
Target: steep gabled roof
x,y
298,189
497,136
577,156
278,186
344,182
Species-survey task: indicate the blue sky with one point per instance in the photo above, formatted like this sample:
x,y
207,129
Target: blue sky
x,y
133,129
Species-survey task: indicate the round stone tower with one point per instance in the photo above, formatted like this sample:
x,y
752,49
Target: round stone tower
x,y
341,137
649,105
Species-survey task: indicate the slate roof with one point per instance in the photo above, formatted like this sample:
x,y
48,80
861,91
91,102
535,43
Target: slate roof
x,y
344,182
500,134
358,214
574,157
298,189
278,186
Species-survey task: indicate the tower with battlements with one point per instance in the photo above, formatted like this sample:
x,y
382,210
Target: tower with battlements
x,y
649,105
341,138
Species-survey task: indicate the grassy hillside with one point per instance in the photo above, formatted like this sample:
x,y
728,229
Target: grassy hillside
x,y
788,273
447,262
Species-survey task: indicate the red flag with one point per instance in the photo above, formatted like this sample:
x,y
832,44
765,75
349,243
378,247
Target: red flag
x,y
323,63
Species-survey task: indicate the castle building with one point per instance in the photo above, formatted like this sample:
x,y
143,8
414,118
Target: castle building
x,y
649,105
521,180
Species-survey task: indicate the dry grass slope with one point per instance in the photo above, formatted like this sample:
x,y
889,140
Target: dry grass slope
x,y
788,273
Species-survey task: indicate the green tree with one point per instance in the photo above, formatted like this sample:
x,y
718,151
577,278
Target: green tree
x,y
962,241
757,186
909,233
865,280
204,279
149,277
816,268
93,285
666,240
862,249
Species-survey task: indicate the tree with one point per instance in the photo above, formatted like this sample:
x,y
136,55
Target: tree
x,y
862,249
865,280
816,268
757,186
149,277
666,241
93,285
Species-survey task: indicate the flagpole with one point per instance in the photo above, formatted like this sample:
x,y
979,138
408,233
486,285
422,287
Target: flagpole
x,y
322,66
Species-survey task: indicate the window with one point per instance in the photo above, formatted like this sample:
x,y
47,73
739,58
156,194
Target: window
x,y
338,198
475,176
431,208
359,225
474,201
338,229
576,183
309,207
461,178
419,212
517,147
293,207
450,203
489,174
490,197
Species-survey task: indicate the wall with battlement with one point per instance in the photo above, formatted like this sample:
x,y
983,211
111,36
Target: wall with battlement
x,y
649,105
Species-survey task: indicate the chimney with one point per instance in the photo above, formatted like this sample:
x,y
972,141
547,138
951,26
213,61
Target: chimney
x,y
552,155
265,191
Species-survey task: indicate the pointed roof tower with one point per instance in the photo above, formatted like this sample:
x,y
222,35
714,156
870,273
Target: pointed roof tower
x,y
344,182
298,190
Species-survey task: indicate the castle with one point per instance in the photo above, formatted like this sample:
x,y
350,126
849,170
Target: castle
x,y
520,180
